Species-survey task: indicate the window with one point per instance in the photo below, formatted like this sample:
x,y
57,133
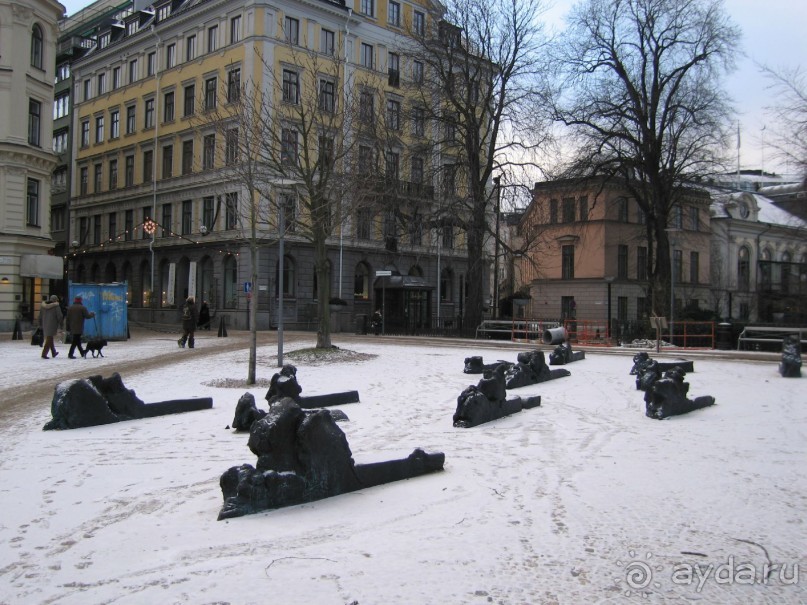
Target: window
x,y
104,39
694,218
743,269
288,204
164,12
187,156
212,38
622,209
32,204
208,212
99,129
85,133
392,166
393,115
448,237
132,71
450,125
677,217
291,29
99,177
233,85
62,72
129,171
288,277
128,225
190,96
132,27
168,107
288,151
394,14
187,217
115,78
148,166
96,229
37,47
291,86
60,141
231,147
389,228
694,267
567,262
208,151
418,121
149,114
417,72
114,124
87,90
84,180
101,84
417,170
553,212
568,210
58,219
449,180
641,263
327,42
678,268
166,221
361,282
367,55
113,174
59,180
326,153
34,123
170,56
131,119
583,208
210,94
168,161
231,210
84,229
366,110
416,229
190,48
394,66
327,95
151,63
368,7
622,262
235,29
622,308
419,23
364,221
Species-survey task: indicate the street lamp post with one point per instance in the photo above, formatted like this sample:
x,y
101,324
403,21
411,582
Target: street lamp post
x,y
497,184
670,243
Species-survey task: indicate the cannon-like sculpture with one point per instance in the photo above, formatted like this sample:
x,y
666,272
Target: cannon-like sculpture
x,y
488,401
530,369
284,384
304,456
475,365
247,412
668,396
642,360
563,354
96,400
790,366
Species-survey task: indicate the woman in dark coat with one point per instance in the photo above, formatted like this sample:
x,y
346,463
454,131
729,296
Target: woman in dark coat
x,y
50,318
204,316
190,317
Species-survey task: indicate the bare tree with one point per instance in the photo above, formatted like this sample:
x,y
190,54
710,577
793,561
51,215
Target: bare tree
x,y
789,112
474,72
640,89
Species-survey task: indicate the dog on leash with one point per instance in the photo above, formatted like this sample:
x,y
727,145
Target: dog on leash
x,y
94,345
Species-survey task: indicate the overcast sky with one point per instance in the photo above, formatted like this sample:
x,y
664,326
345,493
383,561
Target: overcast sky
x,y
772,35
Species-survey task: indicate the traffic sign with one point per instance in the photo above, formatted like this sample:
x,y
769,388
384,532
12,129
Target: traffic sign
x,y
383,273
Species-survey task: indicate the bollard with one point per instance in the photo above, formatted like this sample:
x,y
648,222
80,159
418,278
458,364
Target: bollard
x,y
554,336
222,327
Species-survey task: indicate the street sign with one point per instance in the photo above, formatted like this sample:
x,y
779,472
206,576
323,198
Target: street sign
x,y
247,287
383,273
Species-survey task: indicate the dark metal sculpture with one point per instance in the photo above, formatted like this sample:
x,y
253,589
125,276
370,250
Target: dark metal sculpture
x,y
475,365
668,396
304,456
488,401
96,400
284,384
563,354
247,412
530,369
642,359
790,366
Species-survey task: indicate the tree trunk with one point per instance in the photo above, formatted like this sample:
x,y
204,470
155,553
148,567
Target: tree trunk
x,y
323,294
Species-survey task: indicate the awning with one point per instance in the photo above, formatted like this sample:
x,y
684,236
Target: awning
x,y
403,282
42,265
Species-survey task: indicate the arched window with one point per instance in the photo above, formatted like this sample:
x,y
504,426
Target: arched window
x,y
164,283
765,269
111,274
95,273
446,285
361,282
288,277
145,284
785,268
127,277
744,269
230,283
205,280
36,47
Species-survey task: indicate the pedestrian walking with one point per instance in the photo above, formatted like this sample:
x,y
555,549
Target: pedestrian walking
x,y
50,318
190,318
76,314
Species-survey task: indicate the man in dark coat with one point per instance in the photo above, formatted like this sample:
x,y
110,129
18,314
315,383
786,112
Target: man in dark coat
x,y
190,317
76,314
50,318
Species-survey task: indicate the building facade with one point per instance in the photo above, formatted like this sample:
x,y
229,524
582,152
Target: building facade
x,y
153,198
28,33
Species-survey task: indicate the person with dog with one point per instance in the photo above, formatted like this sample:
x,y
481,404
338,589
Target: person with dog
x,y
76,314
50,318
190,318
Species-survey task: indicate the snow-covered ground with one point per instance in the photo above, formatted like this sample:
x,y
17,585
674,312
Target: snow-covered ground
x,y
583,500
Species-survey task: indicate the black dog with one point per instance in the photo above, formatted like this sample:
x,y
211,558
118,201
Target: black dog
x,y
94,345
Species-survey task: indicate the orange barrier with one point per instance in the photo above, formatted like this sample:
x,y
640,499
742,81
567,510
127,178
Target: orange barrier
x,y
588,332
692,334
